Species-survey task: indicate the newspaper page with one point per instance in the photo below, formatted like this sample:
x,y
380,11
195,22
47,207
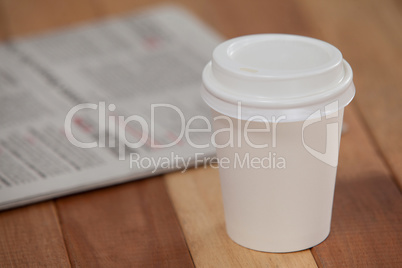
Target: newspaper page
x,y
101,104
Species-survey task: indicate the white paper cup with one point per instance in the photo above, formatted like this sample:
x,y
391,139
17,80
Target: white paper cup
x,y
293,89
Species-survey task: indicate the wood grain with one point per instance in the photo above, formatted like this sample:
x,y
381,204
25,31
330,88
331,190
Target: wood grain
x,y
362,230
26,17
367,215
135,225
197,200
3,29
31,237
196,195
369,35
131,225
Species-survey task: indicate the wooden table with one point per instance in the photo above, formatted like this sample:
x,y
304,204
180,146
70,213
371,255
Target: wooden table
x,y
176,220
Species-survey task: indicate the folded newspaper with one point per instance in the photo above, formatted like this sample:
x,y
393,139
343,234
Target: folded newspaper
x,y
101,104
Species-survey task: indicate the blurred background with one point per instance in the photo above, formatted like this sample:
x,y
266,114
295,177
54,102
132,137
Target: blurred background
x,y
367,32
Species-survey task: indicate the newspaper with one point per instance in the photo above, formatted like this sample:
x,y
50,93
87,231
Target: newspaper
x,y
82,85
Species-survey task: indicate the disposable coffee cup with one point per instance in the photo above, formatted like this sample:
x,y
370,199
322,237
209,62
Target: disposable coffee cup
x,y
277,102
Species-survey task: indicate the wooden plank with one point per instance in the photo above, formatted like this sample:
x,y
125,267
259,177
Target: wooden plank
x,y
24,17
235,18
367,215
225,23
202,9
230,18
3,29
369,196
196,194
108,7
149,236
197,199
370,37
131,225
31,237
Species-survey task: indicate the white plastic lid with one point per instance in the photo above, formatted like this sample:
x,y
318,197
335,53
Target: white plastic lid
x,y
276,75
